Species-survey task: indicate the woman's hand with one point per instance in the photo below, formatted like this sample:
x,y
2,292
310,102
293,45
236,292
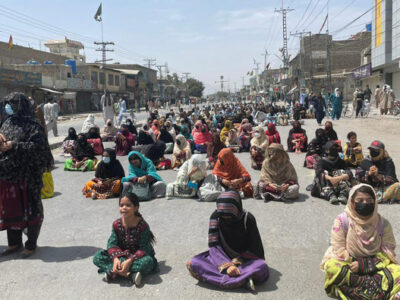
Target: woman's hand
x,y
284,187
142,179
116,265
4,147
354,267
233,271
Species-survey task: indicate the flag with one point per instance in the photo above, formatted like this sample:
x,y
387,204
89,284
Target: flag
x,y
268,65
10,42
323,25
97,16
368,27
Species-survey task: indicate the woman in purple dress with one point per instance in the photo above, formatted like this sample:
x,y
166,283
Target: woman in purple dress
x,y
236,254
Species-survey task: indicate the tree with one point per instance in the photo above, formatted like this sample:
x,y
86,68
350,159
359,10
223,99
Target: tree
x,y
195,87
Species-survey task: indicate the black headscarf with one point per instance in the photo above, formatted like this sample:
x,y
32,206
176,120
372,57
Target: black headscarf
x,y
154,151
330,132
31,155
131,127
235,237
83,148
165,136
72,136
145,138
113,169
94,133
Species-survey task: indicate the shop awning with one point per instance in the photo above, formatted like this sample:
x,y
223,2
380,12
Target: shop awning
x,y
52,91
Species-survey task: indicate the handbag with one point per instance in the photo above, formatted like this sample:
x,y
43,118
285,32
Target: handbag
x,y
141,190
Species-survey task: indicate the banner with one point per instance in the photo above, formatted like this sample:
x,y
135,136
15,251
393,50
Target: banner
x,y
378,23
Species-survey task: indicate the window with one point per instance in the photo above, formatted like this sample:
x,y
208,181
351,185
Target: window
x,y
116,80
110,79
102,78
95,77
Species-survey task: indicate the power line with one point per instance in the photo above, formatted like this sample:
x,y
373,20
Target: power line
x,y
302,18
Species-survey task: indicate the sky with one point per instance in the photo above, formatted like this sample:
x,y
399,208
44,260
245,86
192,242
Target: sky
x,y
206,38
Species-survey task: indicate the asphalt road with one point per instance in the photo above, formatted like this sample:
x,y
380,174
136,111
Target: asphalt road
x,y
295,237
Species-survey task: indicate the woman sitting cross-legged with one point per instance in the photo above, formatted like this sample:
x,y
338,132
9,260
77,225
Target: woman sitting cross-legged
x,y
297,138
259,148
69,142
94,139
278,177
142,172
109,131
107,181
361,263
83,158
353,155
182,151
315,149
124,141
236,254
214,148
190,177
228,173
130,251
332,177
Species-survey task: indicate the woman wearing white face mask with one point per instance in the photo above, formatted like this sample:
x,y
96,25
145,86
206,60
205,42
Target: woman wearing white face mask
x,y
107,181
259,145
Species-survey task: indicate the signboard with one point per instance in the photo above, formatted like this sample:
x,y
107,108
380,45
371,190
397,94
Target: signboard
x,y
130,82
15,77
378,23
318,54
361,72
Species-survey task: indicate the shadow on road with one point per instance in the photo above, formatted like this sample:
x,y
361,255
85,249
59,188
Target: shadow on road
x,y
62,254
270,285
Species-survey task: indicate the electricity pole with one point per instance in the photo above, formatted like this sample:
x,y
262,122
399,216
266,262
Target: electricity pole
x,y
300,35
285,54
221,81
186,74
150,62
104,59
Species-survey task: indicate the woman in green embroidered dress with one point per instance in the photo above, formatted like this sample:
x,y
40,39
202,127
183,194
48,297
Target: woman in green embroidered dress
x,y
361,262
130,252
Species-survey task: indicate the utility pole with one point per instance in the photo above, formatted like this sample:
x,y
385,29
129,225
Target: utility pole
x,y
328,52
300,35
265,68
150,62
285,54
186,74
104,59
257,68
221,81
159,67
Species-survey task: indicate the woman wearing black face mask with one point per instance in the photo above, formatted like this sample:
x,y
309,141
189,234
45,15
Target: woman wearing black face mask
x,y
181,152
362,252
378,170
332,180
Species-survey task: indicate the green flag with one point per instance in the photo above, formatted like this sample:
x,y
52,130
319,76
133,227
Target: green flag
x,y
97,16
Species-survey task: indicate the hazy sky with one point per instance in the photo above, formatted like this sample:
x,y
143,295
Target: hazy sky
x,y
206,38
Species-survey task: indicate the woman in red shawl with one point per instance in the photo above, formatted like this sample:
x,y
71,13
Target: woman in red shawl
x,y
124,141
272,134
231,174
156,128
202,137
245,135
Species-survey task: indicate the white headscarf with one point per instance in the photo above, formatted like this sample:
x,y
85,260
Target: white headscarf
x,y
89,123
337,92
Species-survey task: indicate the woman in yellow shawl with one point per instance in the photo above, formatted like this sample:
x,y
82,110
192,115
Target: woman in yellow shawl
x,y
225,131
361,263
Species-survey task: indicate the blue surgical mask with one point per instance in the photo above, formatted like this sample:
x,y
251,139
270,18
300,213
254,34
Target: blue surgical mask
x,y
106,160
9,110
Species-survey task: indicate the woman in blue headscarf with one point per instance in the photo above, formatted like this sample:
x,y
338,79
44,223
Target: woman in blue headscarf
x,y
142,170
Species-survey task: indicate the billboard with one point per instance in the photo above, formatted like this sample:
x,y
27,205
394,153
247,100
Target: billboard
x,y
378,23
20,77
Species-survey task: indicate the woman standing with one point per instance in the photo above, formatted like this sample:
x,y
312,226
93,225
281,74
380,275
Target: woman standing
x,y
24,156
361,262
236,253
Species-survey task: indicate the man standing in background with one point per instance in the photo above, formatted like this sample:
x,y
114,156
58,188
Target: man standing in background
x,y
50,116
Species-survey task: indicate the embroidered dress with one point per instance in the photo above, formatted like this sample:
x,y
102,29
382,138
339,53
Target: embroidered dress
x,y
134,243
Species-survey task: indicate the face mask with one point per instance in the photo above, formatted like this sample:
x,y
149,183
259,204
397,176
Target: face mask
x,y
9,110
364,209
333,153
109,124
32,102
197,127
178,143
257,134
106,160
327,128
374,152
221,162
203,129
